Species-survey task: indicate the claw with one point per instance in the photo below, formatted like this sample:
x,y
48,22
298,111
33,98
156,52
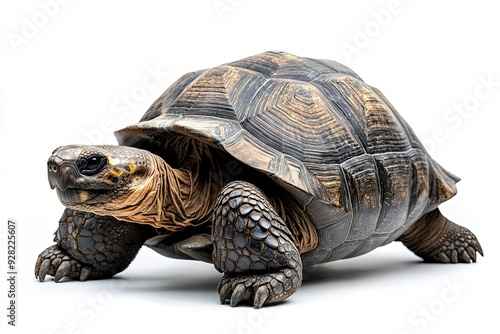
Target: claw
x,y
224,293
44,269
238,295
454,256
37,266
63,270
479,249
85,273
465,257
443,258
472,253
261,296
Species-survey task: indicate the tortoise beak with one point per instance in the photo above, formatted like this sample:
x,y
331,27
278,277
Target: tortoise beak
x,y
61,176
61,169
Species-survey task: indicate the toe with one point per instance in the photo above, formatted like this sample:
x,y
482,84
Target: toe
x,y
224,293
479,249
238,294
464,257
85,273
44,269
37,266
454,256
472,253
63,270
442,257
261,296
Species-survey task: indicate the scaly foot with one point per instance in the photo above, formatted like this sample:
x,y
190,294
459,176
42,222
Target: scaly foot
x,y
55,262
253,248
436,239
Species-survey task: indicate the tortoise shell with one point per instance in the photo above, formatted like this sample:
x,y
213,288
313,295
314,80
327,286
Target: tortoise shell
x,y
315,128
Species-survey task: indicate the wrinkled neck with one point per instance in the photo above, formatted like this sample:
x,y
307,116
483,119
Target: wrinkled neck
x,y
173,199
190,195
144,204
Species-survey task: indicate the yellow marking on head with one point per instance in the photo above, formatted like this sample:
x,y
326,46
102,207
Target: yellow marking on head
x,y
132,167
113,161
117,172
108,178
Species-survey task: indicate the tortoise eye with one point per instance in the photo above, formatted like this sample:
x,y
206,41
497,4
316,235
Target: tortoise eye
x,y
92,165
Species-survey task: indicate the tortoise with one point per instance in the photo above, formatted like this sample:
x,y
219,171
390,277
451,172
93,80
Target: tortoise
x,y
260,166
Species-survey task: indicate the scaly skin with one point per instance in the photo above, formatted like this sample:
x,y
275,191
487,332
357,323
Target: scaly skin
x,y
91,247
437,239
253,248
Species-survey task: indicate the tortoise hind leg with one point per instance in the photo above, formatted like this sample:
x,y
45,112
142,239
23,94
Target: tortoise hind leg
x,y
436,239
253,248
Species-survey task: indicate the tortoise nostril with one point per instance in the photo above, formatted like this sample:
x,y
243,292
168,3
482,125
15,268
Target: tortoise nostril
x,y
52,165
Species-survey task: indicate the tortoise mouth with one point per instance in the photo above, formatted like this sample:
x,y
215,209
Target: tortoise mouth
x,y
74,196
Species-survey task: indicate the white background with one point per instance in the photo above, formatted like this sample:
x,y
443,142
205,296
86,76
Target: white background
x,y
67,69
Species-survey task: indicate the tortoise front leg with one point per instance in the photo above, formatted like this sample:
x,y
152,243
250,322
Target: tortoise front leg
x,y
90,247
253,248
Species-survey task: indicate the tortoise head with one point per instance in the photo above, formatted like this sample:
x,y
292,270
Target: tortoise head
x,y
98,178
